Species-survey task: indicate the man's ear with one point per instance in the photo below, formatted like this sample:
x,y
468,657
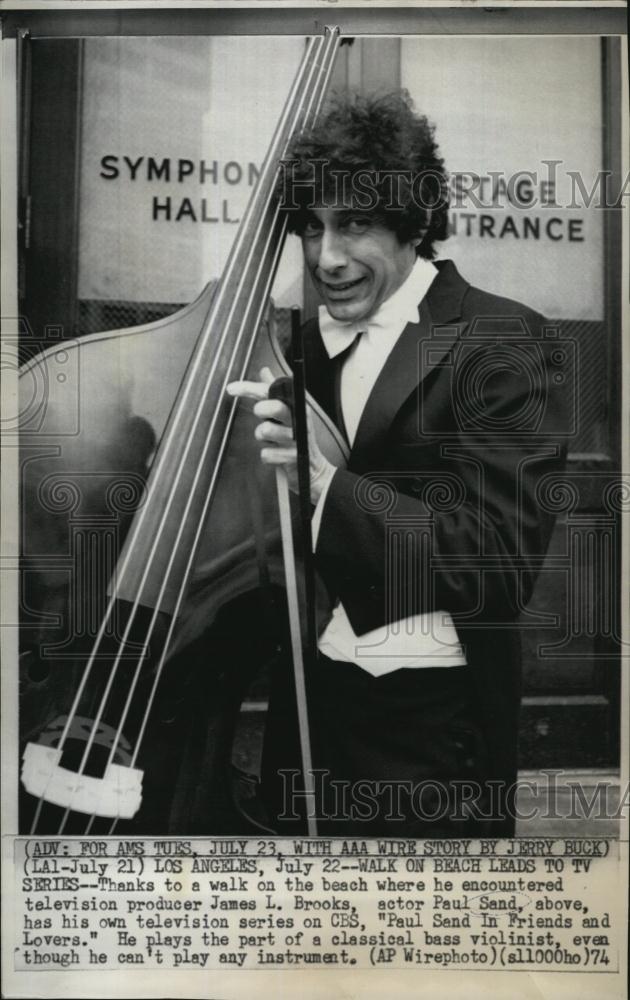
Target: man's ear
x,y
417,240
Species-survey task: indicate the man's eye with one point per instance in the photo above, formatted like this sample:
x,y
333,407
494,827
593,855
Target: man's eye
x,y
312,228
358,224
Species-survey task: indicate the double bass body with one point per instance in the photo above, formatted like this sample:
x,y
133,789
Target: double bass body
x,y
88,441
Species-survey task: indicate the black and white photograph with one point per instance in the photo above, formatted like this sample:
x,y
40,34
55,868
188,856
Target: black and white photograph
x,y
315,499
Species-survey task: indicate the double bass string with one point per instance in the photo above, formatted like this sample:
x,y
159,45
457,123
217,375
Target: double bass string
x,y
261,298
173,620
173,428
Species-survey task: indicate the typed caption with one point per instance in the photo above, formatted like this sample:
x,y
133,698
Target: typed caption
x,y
113,904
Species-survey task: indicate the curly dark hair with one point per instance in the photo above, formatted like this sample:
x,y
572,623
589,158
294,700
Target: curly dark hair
x,y
389,158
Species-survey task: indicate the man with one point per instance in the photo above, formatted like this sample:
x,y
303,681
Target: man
x,y
431,539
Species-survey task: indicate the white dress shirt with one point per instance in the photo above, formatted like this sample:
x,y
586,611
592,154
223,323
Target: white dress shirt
x,y
428,640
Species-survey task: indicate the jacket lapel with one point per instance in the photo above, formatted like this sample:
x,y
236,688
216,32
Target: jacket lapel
x,y
418,350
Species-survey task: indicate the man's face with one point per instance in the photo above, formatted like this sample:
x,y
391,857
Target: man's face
x,y
355,262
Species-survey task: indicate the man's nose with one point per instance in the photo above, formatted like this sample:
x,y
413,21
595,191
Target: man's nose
x,y
332,253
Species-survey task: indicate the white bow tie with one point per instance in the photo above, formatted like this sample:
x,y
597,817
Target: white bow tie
x,y
338,336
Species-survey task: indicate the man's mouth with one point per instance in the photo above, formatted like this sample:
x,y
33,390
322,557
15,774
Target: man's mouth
x,y
342,287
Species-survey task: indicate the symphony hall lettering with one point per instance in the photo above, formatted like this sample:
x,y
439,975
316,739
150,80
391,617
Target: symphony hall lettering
x,y
169,169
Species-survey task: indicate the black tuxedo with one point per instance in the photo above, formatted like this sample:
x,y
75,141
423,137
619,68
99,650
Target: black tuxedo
x,y
465,420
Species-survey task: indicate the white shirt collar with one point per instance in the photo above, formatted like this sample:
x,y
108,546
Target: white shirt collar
x,y
390,318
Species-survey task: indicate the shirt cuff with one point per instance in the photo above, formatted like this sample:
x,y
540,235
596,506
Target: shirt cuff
x,y
319,508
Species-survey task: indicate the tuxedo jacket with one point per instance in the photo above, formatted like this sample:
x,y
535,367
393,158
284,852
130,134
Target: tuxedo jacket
x,y
444,504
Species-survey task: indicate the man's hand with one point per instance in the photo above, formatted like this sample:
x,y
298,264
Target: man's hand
x,y
275,433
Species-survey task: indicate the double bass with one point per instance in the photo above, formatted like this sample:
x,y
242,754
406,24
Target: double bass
x,y
152,576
